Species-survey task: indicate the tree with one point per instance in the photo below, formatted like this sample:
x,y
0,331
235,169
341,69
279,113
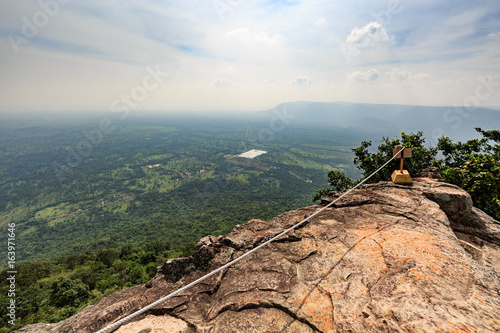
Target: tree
x,y
456,154
473,165
423,156
369,162
493,135
157,246
480,176
107,256
338,182
68,292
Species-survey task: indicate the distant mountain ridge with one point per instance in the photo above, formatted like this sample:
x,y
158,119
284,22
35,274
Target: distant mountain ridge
x,y
455,122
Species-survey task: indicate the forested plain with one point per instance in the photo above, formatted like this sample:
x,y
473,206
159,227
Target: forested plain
x,y
98,203
68,189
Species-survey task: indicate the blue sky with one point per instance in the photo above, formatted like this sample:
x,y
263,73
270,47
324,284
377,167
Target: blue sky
x,y
75,55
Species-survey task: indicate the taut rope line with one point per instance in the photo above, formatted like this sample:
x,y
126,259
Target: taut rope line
x,y
178,291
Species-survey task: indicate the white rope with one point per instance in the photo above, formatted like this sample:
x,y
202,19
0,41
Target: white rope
x,y
152,305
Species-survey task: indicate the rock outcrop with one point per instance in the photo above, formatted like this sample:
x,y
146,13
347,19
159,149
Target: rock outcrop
x,y
386,258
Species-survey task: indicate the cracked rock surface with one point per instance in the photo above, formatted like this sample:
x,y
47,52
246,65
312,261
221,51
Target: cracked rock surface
x,y
386,258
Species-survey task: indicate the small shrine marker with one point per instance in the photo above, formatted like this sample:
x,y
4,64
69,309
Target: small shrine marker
x,y
401,176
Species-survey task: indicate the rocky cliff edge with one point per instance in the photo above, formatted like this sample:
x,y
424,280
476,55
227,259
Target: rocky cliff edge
x,y
386,258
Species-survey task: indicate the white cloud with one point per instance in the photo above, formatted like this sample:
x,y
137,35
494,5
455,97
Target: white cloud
x,y
320,22
368,76
302,80
271,80
223,83
422,76
367,36
244,47
246,35
494,35
397,74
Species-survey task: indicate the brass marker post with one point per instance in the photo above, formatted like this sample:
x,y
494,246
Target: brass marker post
x,y
401,176
402,163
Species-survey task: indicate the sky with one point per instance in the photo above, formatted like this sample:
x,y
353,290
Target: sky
x,y
94,55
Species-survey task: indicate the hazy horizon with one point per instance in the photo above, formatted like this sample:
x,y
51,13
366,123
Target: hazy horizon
x,y
90,56
215,112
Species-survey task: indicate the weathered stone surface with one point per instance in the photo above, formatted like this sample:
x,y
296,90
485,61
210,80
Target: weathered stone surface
x,y
431,173
156,324
386,258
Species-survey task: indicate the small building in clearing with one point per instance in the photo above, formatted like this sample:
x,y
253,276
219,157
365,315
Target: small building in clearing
x,y
252,153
